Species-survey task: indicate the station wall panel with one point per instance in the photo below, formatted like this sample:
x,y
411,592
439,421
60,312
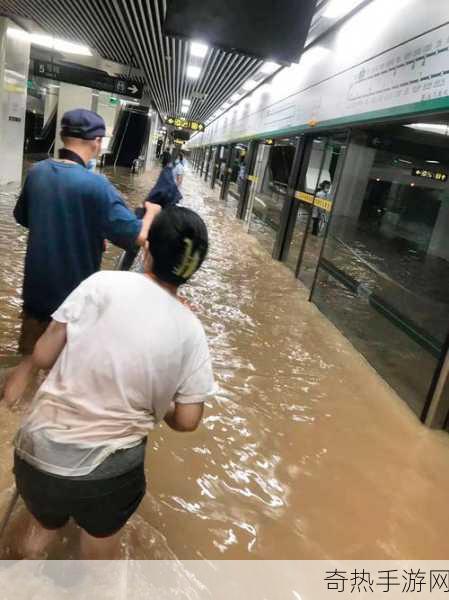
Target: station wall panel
x,y
390,58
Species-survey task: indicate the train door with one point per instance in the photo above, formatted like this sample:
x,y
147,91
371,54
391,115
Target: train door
x,y
315,191
210,152
247,176
210,162
215,166
204,160
269,192
226,171
195,159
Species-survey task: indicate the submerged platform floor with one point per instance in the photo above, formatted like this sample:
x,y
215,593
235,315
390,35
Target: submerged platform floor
x,y
305,453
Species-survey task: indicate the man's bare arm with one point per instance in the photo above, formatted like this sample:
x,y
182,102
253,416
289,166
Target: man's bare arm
x,y
151,211
50,345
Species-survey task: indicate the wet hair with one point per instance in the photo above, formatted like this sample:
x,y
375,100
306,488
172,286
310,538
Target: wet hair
x,y
178,243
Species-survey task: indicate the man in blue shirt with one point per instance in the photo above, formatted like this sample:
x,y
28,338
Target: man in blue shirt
x,y
69,212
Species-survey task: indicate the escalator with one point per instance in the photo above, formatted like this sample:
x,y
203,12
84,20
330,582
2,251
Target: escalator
x,y
130,138
39,137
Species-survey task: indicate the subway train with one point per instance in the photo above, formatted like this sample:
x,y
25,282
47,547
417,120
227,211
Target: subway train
x,y
339,166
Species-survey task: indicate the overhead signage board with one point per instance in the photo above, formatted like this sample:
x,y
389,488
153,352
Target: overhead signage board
x,y
87,78
430,174
181,123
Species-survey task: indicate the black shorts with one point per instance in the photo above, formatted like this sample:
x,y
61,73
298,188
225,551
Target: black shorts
x,y
99,506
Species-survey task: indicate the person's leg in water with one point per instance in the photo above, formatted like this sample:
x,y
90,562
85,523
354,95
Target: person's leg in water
x,y
18,379
95,548
32,539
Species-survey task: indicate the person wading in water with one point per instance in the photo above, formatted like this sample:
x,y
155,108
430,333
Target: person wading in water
x,y
68,211
124,353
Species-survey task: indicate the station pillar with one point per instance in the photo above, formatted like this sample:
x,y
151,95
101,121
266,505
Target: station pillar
x,y
14,64
354,181
152,141
70,97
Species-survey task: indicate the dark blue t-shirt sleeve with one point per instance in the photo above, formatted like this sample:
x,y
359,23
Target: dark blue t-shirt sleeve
x,y
120,226
21,209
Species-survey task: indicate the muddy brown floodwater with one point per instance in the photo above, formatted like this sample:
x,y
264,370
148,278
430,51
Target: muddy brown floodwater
x,y
304,453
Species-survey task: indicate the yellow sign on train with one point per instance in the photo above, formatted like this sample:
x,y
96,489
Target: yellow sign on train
x,y
311,199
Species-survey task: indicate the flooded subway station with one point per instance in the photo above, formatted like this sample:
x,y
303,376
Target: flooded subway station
x,y
305,452
317,154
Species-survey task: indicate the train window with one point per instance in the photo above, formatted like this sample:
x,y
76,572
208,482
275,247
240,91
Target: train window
x,y
384,273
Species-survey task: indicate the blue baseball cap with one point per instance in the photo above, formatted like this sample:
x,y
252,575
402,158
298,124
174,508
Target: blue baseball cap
x,y
82,123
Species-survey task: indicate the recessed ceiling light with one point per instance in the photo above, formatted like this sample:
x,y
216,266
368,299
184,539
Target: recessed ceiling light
x,y
314,55
433,162
438,128
184,110
48,41
249,85
269,67
338,8
187,102
193,72
198,49
17,34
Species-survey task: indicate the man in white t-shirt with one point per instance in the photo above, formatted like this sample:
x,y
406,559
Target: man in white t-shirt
x,y
124,353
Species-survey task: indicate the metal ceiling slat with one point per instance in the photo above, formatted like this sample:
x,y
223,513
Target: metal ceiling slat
x,y
152,39
40,19
178,70
91,9
208,71
184,81
158,29
143,46
196,103
104,20
171,68
219,89
82,30
232,87
120,19
175,74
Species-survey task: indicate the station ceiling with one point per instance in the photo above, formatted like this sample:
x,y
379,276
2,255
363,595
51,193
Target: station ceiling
x,y
130,32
